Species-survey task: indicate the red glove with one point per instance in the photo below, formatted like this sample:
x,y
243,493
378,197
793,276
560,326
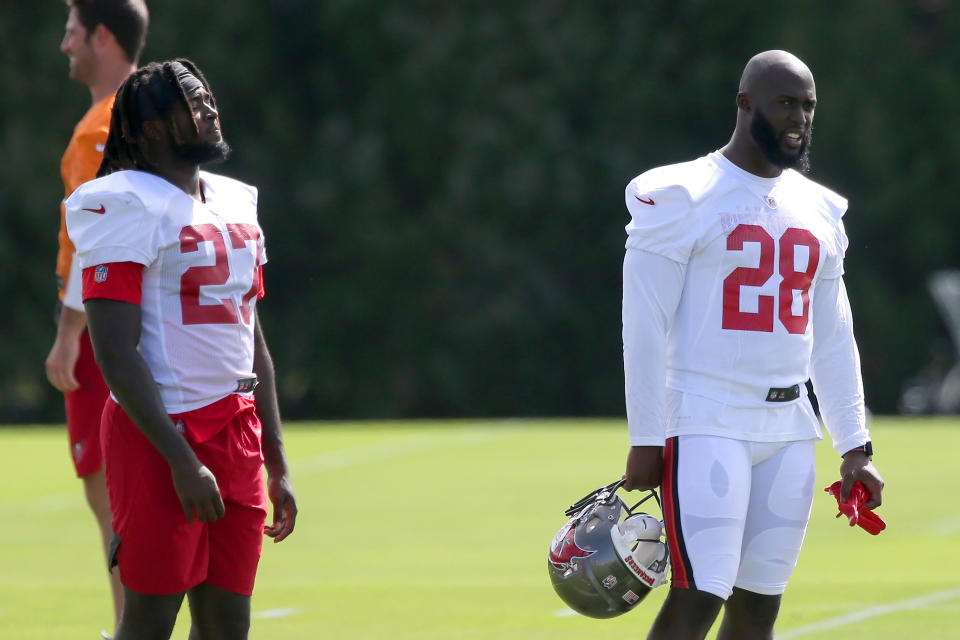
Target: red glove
x,y
854,509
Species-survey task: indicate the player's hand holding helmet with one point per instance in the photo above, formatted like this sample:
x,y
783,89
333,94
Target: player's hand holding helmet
x,y
607,557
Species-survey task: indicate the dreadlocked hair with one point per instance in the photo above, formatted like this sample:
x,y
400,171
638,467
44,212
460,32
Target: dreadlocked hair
x,y
149,93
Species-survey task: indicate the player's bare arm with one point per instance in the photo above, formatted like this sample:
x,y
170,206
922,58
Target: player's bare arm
x,y
279,487
63,355
856,466
115,332
644,468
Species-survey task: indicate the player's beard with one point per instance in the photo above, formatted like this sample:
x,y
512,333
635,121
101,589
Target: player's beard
x,y
203,152
771,145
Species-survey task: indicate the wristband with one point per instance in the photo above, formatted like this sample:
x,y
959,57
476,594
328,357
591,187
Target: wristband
x,y
866,448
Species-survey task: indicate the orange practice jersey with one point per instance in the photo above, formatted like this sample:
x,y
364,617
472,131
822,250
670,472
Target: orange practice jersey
x,y
79,164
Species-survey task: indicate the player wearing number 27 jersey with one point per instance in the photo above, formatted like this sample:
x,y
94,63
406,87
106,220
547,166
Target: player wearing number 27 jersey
x,y
201,277
756,257
171,261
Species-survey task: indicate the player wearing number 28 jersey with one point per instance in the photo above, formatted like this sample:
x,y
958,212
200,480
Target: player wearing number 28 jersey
x,y
733,298
754,254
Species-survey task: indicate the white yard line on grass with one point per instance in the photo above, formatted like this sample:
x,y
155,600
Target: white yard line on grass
x,y
946,526
375,452
393,448
50,503
266,614
873,612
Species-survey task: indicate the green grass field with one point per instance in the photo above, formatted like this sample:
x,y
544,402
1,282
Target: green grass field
x,y
440,530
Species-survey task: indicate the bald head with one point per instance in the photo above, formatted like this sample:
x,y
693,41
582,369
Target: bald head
x,y
775,106
771,66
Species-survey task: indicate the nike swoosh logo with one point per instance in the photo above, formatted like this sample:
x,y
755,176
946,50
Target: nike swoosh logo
x,y
102,209
645,200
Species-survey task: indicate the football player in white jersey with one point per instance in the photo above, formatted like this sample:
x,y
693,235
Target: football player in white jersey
x,y
733,297
171,259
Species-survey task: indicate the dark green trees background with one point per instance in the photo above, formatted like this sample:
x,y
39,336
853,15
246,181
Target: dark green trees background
x,y
442,182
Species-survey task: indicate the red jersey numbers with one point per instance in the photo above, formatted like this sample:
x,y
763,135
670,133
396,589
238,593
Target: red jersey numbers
x,y
794,280
733,318
240,234
215,274
762,319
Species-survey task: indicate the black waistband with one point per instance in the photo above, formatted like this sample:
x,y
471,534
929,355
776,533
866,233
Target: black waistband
x,y
785,394
246,385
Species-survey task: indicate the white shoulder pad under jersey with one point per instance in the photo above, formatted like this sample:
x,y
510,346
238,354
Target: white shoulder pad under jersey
x,y
238,200
831,206
117,218
243,194
662,204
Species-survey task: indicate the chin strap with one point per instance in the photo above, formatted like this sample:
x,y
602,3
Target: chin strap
x,y
652,494
600,494
606,494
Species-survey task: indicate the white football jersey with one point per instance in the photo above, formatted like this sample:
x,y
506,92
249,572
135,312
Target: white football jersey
x,y
200,278
749,253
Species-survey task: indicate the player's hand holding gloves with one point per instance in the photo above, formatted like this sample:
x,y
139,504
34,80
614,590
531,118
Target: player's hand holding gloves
x,y
858,492
853,508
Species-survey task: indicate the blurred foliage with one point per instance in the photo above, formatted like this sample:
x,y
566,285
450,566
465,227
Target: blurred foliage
x,y
441,183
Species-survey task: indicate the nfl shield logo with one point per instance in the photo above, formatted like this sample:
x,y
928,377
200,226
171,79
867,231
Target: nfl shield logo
x,y
771,202
100,273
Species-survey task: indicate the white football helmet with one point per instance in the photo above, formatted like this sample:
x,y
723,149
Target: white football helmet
x,y
607,558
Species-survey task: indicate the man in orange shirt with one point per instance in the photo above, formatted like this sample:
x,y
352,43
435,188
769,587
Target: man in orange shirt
x,y
103,40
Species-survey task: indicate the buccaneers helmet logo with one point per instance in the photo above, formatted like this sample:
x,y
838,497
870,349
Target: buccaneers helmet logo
x,y
565,549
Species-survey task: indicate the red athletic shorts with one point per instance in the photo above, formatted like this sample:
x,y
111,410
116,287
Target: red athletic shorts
x,y
84,407
157,550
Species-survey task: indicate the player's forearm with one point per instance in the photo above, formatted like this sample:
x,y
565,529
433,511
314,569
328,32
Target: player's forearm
x,y
268,409
131,382
274,455
71,324
115,333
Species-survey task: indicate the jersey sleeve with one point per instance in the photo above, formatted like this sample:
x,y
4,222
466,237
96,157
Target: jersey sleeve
x,y
253,194
110,226
652,285
661,220
72,297
79,164
261,248
835,367
836,207
833,266
121,281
